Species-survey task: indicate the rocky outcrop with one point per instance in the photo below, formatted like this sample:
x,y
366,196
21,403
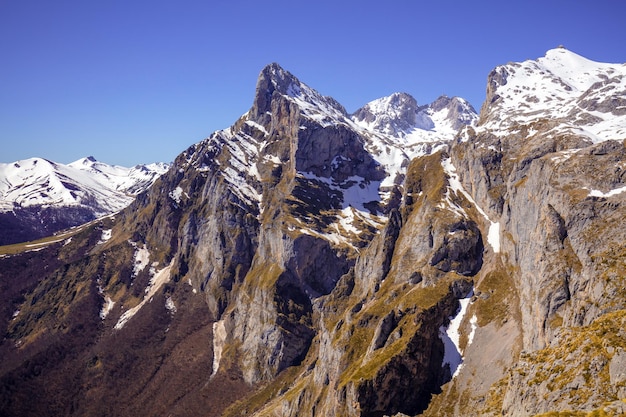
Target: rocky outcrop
x,y
579,370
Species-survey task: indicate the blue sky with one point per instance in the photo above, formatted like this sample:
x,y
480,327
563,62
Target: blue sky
x,y
135,81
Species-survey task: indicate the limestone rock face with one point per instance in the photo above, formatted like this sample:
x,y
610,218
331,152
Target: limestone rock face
x,y
544,178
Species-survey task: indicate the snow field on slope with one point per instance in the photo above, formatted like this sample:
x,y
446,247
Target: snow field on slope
x,y
552,87
353,209
141,259
451,335
243,149
611,193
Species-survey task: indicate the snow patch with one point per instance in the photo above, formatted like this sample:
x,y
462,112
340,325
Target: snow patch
x,y
598,193
193,290
257,126
450,336
142,257
159,279
176,194
106,307
169,304
106,235
564,155
474,326
493,237
356,190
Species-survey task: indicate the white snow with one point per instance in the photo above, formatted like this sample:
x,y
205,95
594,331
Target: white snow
x,y
474,326
141,259
556,87
106,236
40,182
193,290
347,218
169,305
360,193
106,307
240,170
241,186
356,191
257,126
157,281
450,337
564,155
274,159
493,237
611,193
176,194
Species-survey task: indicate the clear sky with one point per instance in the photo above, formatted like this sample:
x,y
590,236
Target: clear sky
x,y
138,81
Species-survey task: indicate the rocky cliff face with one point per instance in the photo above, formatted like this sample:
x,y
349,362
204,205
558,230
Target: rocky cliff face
x,y
402,260
547,172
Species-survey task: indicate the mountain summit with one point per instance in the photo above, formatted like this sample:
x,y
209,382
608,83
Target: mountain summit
x,y
575,93
399,115
403,260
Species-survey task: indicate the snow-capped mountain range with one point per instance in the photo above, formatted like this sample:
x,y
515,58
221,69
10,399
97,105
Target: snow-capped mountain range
x,y
39,197
105,188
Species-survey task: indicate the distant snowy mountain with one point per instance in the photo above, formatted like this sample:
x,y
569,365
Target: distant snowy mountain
x,y
39,197
399,115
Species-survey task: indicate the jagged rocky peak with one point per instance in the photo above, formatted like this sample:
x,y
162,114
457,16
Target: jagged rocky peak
x,y
394,114
457,111
273,79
